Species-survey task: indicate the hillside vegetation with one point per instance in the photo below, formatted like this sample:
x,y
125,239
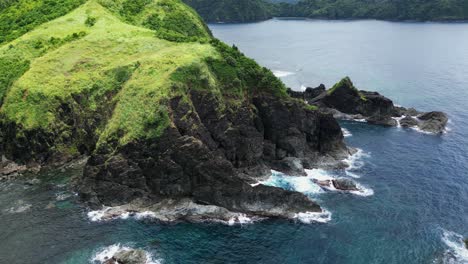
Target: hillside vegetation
x,y
422,10
103,73
256,10
232,10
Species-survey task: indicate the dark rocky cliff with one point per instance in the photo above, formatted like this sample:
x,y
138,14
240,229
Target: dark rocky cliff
x,y
211,158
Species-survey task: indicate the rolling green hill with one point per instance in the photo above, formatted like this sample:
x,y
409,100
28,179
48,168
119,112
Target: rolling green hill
x,y
102,71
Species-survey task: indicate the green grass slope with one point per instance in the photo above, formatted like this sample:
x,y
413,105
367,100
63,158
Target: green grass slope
x,y
108,68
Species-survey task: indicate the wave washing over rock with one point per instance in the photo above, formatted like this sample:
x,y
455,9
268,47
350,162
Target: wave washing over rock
x,y
457,252
170,211
355,162
117,254
319,181
313,217
346,132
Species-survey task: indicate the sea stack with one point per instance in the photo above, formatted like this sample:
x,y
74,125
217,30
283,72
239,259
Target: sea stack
x,y
345,101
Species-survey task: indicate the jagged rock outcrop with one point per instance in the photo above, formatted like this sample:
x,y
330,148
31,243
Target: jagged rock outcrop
x,y
212,164
345,101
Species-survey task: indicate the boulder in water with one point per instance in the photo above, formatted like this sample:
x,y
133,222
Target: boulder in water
x,y
345,184
433,122
382,120
131,256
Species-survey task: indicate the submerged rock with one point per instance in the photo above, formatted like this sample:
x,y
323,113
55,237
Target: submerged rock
x,y
466,243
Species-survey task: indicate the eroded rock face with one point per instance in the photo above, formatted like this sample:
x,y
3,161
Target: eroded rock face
x,y
132,256
345,101
345,184
208,155
408,121
433,122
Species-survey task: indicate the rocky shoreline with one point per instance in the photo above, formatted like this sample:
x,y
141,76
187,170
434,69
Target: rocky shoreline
x,y
208,170
344,101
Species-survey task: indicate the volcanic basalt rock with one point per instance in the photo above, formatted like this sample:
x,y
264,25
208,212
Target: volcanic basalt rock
x,y
345,101
210,164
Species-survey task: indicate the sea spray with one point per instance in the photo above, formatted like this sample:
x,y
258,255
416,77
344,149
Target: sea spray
x,y
311,217
457,251
346,132
112,213
281,74
292,183
308,184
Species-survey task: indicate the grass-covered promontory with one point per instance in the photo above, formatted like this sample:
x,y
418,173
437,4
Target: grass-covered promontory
x,y
79,74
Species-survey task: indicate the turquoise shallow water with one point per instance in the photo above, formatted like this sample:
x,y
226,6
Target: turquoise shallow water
x,y
419,206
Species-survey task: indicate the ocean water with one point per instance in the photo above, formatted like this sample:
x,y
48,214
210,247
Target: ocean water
x,y
414,203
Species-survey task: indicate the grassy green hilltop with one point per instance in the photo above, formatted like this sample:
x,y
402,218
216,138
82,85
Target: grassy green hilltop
x,y
108,68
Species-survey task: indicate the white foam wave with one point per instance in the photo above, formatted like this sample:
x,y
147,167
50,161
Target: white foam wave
x,y
294,183
346,132
308,184
363,190
355,161
458,251
303,87
108,252
112,213
362,120
281,74
321,175
241,219
417,129
19,207
311,217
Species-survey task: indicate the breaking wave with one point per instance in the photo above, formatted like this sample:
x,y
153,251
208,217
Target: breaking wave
x,y
311,217
308,184
110,213
356,161
281,74
457,253
346,132
293,183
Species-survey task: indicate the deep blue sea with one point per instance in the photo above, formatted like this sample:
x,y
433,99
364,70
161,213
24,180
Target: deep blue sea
x,y
415,209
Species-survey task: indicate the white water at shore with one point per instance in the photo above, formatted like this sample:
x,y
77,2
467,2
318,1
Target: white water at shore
x,y
107,214
355,162
281,74
108,252
311,217
457,252
346,132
